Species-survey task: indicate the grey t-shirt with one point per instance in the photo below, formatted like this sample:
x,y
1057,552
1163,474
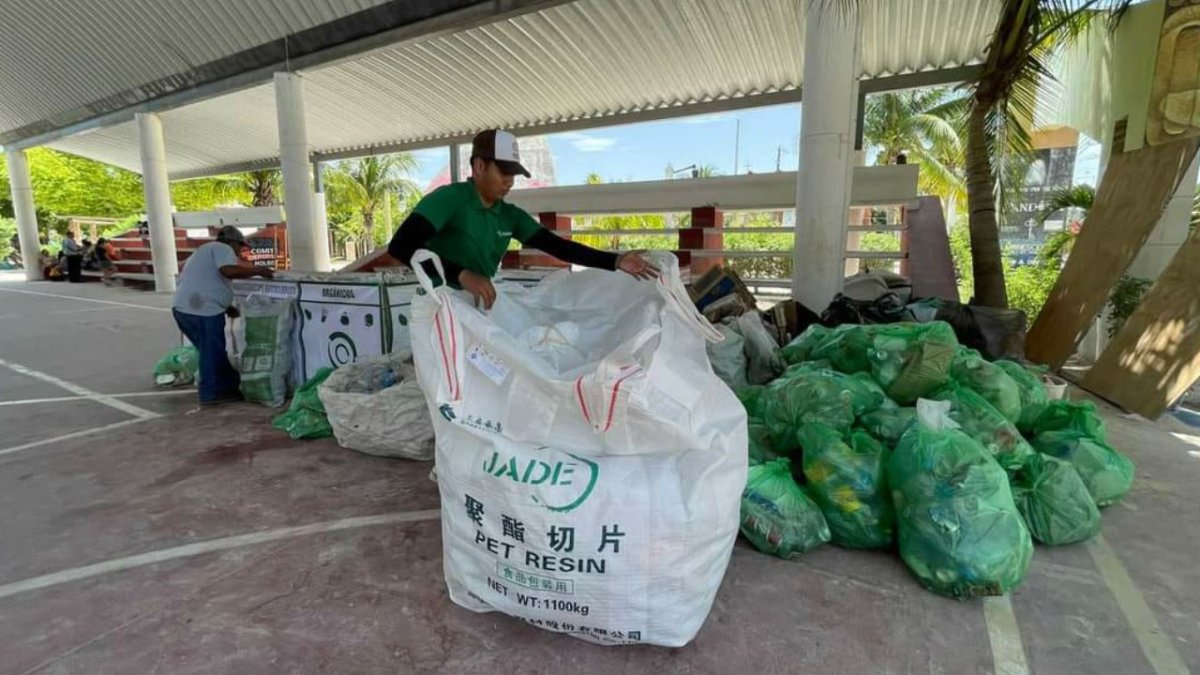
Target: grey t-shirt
x,y
201,289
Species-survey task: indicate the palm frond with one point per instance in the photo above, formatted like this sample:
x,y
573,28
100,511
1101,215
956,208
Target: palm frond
x,y
1076,197
1056,246
1195,210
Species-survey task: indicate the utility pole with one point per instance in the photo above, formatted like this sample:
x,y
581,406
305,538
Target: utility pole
x,y
737,142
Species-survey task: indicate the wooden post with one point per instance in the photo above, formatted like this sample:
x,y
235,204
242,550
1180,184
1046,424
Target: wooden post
x,y
703,235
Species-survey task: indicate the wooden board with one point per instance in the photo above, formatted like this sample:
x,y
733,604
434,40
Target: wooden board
x,y
931,267
1129,202
1156,355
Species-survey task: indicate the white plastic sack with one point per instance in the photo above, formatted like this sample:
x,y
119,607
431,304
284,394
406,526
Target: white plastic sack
x,y
728,357
599,499
375,406
265,356
763,362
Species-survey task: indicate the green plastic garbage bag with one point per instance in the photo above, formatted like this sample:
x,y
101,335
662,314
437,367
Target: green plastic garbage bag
x,y
1053,500
867,393
760,449
1078,416
809,395
988,380
178,367
305,417
888,424
751,398
911,360
800,349
1107,473
847,347
980,420
846,479
777,516
1031,391
959,530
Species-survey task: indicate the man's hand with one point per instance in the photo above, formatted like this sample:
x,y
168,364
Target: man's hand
x,y
478,286
633,264
265,272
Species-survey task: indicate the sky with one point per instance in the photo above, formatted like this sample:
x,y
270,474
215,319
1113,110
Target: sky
x,y
642,151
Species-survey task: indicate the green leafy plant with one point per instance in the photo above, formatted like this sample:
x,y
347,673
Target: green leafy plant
x,y
8,228
1125,298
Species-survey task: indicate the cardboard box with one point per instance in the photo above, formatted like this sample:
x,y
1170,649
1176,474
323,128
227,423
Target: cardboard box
x,y
716,284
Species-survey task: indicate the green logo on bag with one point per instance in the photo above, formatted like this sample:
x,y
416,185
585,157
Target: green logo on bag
x,y
565,484
447,412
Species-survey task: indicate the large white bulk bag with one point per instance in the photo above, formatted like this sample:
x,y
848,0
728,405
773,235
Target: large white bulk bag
x,y
589,461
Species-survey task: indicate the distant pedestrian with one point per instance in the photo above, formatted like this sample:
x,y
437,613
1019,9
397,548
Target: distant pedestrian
x,y
89,254
73,253
202,299
106,253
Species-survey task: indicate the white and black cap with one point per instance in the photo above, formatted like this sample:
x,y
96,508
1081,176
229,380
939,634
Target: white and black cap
x,y
499,146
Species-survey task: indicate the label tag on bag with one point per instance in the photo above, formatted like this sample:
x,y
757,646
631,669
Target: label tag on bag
x,y
492,366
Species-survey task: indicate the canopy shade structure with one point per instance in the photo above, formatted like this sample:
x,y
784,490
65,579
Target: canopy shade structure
x,y
425,74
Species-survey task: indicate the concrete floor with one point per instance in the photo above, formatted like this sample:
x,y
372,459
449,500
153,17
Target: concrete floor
x,y
155,539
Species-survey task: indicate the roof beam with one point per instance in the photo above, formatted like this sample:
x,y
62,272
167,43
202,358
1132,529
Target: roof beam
x,y
384,25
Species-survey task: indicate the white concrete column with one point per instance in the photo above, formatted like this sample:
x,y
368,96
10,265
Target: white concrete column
x,y
321,233
1171,231
293,163
827,127
455,164
23,209
158,201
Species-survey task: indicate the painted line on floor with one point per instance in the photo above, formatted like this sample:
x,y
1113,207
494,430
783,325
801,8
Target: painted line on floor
x,y
81,299
1008,654
80,390
212,546
76,434
1155,644
137,394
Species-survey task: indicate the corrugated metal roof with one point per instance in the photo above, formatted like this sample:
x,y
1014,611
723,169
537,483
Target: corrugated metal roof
x,y
581,60
60,55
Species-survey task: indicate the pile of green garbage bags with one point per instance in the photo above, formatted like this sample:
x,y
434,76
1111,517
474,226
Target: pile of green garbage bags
x,y
896,437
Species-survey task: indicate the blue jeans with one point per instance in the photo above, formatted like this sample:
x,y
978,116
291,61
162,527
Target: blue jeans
x,y
217,377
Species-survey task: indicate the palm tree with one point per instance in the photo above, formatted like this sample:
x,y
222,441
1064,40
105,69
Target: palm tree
x,y
367,184
705,171
923,125
1076,198
263,185
1001,112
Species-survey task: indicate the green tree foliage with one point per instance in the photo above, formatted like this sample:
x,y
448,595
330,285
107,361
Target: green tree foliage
x,y
358,191
8,229
924,125
1027,286
67,185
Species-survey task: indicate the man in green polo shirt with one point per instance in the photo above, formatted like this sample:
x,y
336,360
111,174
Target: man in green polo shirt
x,y
469,225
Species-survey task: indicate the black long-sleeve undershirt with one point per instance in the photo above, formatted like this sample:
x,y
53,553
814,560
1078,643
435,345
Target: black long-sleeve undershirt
x,y
416,230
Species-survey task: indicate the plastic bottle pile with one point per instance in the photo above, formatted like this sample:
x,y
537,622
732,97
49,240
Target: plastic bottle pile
x,y
894,435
